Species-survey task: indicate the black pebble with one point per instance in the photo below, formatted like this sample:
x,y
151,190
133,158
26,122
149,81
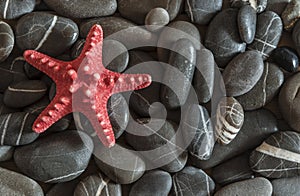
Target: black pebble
x,y
286,58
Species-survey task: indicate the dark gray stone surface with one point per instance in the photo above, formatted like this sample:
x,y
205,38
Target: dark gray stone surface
x,y
7,40
247,23
6,152
286,58
286,186
296,37
291,14
12,9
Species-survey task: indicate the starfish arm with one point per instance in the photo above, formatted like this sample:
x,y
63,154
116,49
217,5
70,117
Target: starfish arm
x,y
130,82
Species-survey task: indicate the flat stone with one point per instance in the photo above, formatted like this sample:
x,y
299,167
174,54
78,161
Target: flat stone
x,y
7,40
202,11
156,19
286,58
59,157
39,30
277,156
255,186
6,153
291,14
286,186
83,9
223,38
14,9
242,73
247,23
268,32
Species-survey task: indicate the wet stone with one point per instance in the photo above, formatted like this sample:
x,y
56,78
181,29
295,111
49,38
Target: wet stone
x,y
12,183
286,58
202,11
15,8
255,186
197,131
223,38
286,186
268,33
24,93
156,19
192,181
6,153
242,73
83,9
291,14
265,89
258,5
39,30
16,129
155,182
247,23
7,40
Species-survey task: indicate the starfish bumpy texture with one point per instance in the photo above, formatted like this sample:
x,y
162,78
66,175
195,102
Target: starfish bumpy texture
x,y
84,85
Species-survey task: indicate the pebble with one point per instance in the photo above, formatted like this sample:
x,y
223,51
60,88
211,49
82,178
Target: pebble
x,y
223,38
15,129
156,19
6,153
7,40
233,170
192,181
286,186
268,33
63,188
229,120
277,156
12,183
32,72
202,11
177,80
15,9
59,157
39,30
155,182
83,9
4,109
97,184
157,141
291,14
24,93
203,81
258,5
255,186
289,101
296,37
242,73
197,131
258,125
286,58
137,10
277,6
247,23
265,89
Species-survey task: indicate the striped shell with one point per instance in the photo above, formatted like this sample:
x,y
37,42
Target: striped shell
x,y
229,120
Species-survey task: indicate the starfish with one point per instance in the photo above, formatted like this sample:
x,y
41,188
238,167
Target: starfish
x,y
84,85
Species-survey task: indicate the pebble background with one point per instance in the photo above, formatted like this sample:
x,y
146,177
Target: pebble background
x,y
243,142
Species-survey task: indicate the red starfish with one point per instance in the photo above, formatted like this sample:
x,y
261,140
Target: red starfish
x,y
85,84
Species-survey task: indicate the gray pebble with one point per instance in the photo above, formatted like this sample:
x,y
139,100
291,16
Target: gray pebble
x,y
156,19
12,9
286,186
7,40
242,73
6,153
4,109
258,5
247,23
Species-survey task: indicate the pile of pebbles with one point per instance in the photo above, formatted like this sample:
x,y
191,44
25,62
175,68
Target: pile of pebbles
x,y
242,141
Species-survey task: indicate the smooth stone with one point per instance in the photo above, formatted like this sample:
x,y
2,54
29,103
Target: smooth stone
x,y
229,120
13,183
16,8
175,91
258,5
203,81
39,30
155,182
97,184
286,58
24,93
255,186
233,170
156,19
242,73
192,181
63,188
202,11
286,186
7,40
59,157
289,101
4,109
247,23
277,156
120,164
32,72
77,48
277,6
223,38
258,125
83,9
157,141
265,89
296,37
268,32
6,153
173,32
197,131
291,14
137,10
16,129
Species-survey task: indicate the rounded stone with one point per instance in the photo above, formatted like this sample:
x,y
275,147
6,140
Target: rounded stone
x,y
286,58
156,19
4,109
6,153
258,5
296,36
15,8
286,186
247,23
291,14
7,40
